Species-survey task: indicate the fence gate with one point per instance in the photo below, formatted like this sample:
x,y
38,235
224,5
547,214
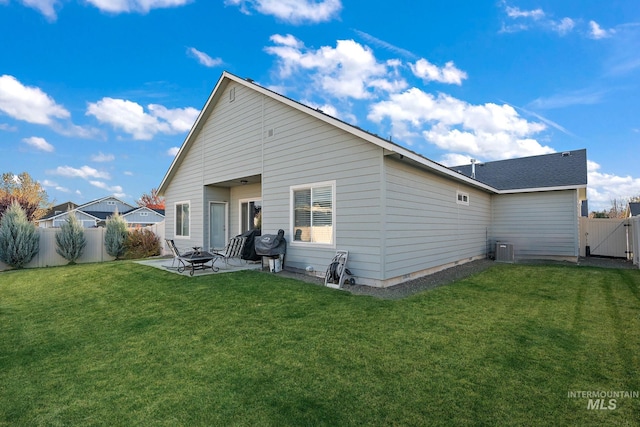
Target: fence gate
x,y
606,237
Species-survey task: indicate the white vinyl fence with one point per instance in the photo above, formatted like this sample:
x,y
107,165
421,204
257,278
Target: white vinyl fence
x,y
606,237
94,251
634,232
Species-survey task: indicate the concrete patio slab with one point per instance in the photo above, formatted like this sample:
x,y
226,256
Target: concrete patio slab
x,y
167,264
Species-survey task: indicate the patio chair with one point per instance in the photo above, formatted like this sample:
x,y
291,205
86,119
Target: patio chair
x,y
232,250
177,256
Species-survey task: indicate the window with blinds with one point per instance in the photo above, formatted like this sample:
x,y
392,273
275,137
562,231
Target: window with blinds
x,y
313,213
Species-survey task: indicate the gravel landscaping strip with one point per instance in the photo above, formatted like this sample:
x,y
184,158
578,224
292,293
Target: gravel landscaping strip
x,y
451,275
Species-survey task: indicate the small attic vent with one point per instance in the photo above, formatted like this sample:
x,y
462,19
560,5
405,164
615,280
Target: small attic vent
x,y
566,154
271,132
232,94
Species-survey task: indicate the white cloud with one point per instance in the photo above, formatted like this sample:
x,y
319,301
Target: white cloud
x,y
45,7
564,26
179,119
605,187
50,184
39,144
131,118
489,131
203,58
116,190
140,6
596,32
101,157
454,159
28,103
84,172
430,72
173,151
349,70
514,12
521,20
292,11
7,127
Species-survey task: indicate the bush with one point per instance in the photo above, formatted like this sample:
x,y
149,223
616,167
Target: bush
x,y
142,243
115,236
70,240
19,238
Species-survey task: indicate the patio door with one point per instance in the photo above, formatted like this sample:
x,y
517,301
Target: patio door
x,y
217,225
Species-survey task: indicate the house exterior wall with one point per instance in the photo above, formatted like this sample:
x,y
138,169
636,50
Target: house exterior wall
x,y
86,220
542,225
304,150
396,220
227,148
426,227
139,217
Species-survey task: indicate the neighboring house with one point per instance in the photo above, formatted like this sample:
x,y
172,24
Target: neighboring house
x,y
96,213
633,209
254,156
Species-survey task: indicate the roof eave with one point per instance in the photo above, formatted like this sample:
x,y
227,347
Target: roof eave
x,y
542,189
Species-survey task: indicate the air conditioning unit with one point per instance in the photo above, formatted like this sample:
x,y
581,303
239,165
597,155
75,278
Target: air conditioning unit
x,y
504,252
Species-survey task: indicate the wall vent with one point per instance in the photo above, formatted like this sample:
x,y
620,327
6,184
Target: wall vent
x,y
504,252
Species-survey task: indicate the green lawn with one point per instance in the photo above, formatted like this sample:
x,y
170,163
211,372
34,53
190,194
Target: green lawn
x,y
124,344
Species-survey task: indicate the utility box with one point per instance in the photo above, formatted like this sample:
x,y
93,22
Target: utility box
x,y
504,252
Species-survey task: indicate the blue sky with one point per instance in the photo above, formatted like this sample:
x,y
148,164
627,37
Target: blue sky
x,y
96,96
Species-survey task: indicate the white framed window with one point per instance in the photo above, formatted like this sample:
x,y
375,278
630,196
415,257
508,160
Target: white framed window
x,y
183,219
111,202
462,198
313,213
144,213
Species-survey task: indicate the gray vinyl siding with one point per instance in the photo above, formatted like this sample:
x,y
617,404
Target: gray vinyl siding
x,y
425,226
138,217
231,137
103,206
539,225
304,150
226,148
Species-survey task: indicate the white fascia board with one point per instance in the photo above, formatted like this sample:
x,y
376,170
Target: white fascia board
x,y
541,189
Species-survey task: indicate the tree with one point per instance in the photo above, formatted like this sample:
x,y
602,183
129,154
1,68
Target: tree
x,y
27,192
116,235
70,240
19,238
152,200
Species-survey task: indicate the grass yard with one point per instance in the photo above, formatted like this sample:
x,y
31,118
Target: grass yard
x,y
123,344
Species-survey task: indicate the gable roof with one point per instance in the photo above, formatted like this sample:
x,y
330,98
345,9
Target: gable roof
x,y
390,148
95,202
61,208
159,212
98,215
634,208
548,171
